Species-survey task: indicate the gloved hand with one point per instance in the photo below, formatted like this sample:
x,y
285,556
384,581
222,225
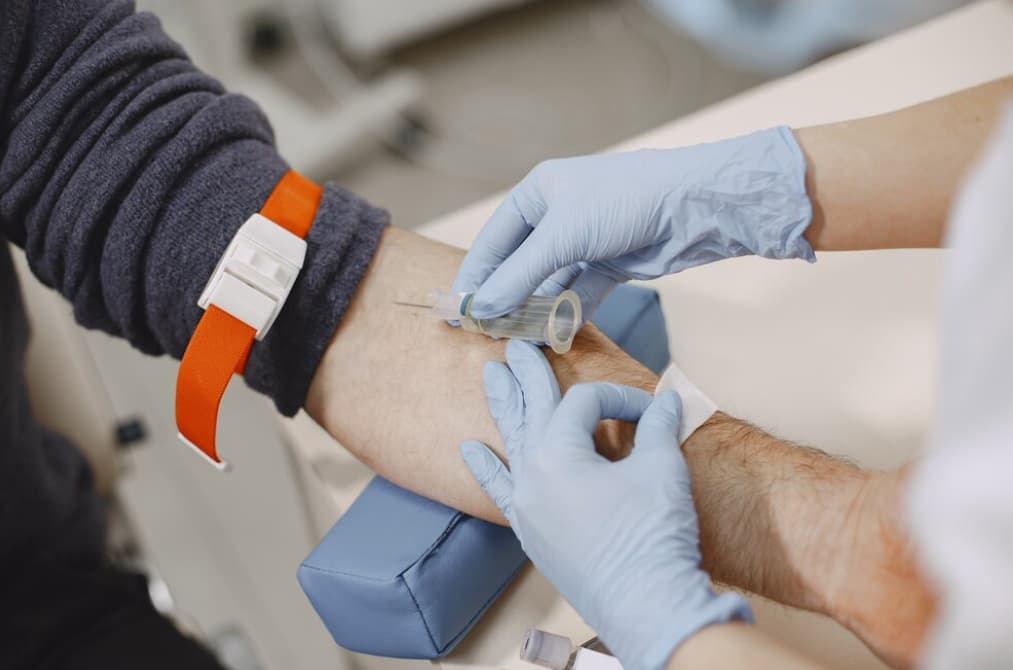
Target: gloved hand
x,y
587,223
618,540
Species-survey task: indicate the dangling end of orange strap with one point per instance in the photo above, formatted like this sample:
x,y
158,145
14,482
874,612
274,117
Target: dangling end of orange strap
x,y
214,461
218,348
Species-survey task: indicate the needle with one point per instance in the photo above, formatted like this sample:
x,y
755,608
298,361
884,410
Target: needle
x,y
412,304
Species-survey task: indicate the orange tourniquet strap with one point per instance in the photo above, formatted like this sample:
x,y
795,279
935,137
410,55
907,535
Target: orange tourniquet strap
x,y
293,203
221,343
218,348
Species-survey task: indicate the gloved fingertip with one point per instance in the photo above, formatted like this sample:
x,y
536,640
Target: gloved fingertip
x,y
519,350
471,447
493,371
482,310
524,358
669,406
499,382
660,421
671,401
490,474
488,304
476,456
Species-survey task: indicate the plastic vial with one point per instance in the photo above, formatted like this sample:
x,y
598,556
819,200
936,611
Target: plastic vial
x,y
547,650
553,320
558,653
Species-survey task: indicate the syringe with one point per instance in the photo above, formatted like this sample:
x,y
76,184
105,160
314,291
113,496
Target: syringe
x,y
553,320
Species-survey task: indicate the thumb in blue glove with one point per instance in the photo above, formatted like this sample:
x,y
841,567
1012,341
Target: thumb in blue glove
x,y
618,540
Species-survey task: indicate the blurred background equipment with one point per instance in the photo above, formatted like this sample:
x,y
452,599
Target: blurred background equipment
x,y
422,107
777,36
367,29
317,128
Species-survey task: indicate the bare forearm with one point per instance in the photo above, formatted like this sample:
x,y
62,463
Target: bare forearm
x,y
786,503
887,181
808,530
736,645
402,391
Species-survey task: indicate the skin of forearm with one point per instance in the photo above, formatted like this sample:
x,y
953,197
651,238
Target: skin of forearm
x,y
787,503
402,391
887,181
736,645
822,534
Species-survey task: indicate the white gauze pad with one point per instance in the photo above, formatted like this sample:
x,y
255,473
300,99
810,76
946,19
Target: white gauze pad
x,y
696,407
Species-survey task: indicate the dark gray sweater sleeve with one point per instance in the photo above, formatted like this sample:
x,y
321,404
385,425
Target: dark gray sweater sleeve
x,y
125,172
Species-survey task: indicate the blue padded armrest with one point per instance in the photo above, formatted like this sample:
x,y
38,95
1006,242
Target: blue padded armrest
x,y
401,575
632,318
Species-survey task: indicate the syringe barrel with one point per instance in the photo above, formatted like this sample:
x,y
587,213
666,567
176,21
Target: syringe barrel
x,y
553,320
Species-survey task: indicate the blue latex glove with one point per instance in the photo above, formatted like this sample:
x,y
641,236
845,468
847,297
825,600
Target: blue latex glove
x,y
618,540
587,223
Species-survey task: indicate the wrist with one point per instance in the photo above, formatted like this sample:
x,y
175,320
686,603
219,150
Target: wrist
x,y
774,211
720,609
789,505
821,534
708,647
679,606
880,594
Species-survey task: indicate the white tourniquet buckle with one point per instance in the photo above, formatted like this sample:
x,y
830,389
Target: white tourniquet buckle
x,y
256,273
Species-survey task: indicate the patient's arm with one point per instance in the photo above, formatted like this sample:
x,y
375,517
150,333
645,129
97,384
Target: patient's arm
x,y
401,391
811,531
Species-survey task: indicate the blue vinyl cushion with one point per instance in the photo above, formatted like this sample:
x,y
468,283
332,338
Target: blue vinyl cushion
x,y
402,575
